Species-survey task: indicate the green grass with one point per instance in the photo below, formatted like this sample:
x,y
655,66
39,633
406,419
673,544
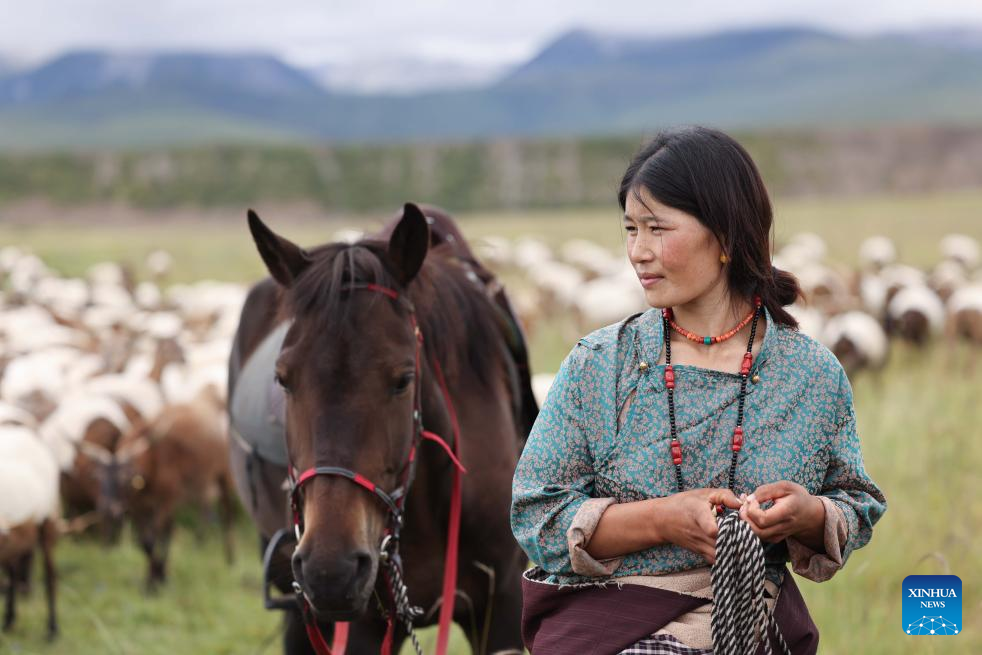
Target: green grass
x,y
919,422
207,606
920,431
223,250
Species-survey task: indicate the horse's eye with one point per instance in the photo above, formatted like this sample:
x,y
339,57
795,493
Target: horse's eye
x,y
280,381
402,383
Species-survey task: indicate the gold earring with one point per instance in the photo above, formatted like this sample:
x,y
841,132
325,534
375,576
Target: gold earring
x,y
723,258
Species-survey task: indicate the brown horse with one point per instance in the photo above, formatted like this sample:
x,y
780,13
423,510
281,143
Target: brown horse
x,y
348,376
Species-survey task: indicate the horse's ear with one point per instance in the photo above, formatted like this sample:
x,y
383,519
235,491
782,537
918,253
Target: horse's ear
x,y
284,259
409,242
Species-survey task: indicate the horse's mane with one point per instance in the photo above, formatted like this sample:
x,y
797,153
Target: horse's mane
x,y
457,319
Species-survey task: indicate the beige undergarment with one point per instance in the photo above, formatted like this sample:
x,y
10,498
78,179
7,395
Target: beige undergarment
x,y
694,628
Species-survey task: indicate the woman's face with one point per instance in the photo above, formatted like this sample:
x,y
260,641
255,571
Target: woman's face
x,y
675,256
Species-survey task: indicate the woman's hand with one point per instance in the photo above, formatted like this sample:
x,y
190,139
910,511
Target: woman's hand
x,y
690,519
795,513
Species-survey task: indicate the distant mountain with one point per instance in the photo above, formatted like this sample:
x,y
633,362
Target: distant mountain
x,y
586,82
958,38
580,52
580,83
81,75
404,75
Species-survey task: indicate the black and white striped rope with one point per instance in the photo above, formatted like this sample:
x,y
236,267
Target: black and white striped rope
x,y
740,617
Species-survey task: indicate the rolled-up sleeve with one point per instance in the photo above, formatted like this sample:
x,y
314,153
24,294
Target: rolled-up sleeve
x,y
848,489
555,473
578,537
820,566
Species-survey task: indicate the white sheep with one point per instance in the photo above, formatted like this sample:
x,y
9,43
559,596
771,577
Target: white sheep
x,y
148,295
140,393
857,340
111,295
31,328
29,511
560,283
607,300
202,303
36,380
947,276
877,252
916,313
591,258
810,320
182,383
8,258
802,250
873,295
108,274
962,249
495,251
899,276
65,296
25,273
823,286
530,251
965,313
21,450
13,415
70,423
159,263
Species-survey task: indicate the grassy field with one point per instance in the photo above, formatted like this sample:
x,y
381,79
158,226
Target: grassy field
x,y
920,423
223,249
920,429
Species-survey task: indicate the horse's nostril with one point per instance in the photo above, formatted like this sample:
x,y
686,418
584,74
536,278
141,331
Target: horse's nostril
x,y
363,564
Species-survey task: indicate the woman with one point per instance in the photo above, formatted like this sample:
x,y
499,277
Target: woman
x,y
604,493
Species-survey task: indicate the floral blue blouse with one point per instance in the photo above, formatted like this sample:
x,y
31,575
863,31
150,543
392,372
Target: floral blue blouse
x,y
603,432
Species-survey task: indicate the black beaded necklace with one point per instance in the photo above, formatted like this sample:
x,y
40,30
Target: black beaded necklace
x,y
748,358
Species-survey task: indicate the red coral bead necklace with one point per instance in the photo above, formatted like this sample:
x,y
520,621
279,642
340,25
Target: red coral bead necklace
x,y
709,340
738,437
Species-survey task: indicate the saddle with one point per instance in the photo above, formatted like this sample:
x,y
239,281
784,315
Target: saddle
x,y
257,409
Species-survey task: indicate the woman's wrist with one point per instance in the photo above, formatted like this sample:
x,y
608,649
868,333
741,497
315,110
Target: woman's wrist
x,y
813,532
626,528
655,521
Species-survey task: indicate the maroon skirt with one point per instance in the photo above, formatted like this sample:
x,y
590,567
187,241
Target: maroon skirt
x,y
604,620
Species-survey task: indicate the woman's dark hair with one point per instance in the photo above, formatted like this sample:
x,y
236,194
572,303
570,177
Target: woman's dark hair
x,y
707,174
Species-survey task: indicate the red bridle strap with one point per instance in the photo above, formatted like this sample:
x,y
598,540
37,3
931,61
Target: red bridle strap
x,y
437,439
338,645
453,524
392,501
391,293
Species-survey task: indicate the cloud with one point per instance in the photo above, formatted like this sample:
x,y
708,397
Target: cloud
x,y
312,31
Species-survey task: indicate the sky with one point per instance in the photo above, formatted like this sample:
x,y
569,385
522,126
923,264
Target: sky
x,y
315,32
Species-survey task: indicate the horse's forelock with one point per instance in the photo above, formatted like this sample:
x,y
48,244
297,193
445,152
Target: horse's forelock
x,y
318,292
456,318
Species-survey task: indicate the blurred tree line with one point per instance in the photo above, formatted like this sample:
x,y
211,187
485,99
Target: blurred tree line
x,y
498,174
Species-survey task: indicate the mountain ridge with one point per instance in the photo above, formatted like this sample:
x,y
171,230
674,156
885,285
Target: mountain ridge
x,y
580,83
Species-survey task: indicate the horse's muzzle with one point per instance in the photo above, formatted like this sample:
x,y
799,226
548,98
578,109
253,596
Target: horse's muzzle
x,y
338,588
